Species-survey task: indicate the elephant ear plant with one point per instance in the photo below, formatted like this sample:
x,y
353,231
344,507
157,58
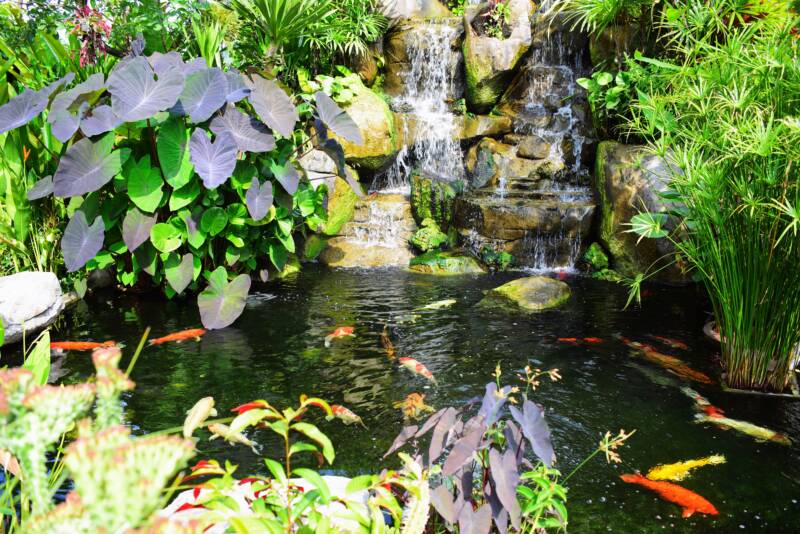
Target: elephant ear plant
x,y
182,172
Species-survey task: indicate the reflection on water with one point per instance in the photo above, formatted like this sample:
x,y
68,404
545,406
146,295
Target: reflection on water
x,y
276,352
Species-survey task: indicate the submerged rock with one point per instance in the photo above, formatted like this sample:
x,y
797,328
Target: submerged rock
x,y
376,122
490,62
531,294
445,263
29,302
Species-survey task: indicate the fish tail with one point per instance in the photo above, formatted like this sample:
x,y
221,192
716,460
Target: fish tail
x,y
328,341
716,459
361,422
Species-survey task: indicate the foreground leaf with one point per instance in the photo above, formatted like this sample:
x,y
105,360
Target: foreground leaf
x,y
86,167
250,135
214,162
222,302
337,119
136,228
531,420
179,274
259,199
81,242
135,93
273,105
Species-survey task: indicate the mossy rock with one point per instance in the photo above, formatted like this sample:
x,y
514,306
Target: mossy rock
x,y
596,257
608,275
341,205
445,263
376,123
313,247
429,236
531,294
432,199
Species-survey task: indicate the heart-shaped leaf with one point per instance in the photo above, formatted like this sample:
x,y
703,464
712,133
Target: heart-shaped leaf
x,y
41,189
222,302
63,124
164,63
21,110
204,92
101,120
196,236
145,185
184,196
237,90
259,199
531,420
214,162
86,167
250,135
136,228
63,118
137,95
173,152
286,175
65,100
273,105
214,221
337,119
147,258
179,273
506,478
81,242
165,237
194,65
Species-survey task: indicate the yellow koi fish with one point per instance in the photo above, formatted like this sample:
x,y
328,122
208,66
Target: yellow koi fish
x,y
413,406
758,432
680,470
439,304
218,430
202,410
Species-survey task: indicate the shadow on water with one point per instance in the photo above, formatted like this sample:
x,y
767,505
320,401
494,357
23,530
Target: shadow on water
x,y
275,352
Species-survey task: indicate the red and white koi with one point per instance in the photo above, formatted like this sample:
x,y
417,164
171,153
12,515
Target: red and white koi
x,y
670,342
342,331
345,415
417,368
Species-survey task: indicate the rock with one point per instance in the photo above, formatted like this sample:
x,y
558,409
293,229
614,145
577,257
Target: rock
x,y
432,199
292,267
629,180
318,165
411,37
529,146
490,62
428,237
377,236
531,294
399,10
29,302
341,205
596,257
100,279
610,47
467,127
490,160
445,263
375,121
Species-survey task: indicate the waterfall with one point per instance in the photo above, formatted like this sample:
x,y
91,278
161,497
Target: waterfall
x,y
432,147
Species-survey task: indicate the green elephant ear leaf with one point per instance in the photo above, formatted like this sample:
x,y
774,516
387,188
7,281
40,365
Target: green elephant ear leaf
x,y
184,196
173,153
179,272
222,302
145,186
165,237
214,221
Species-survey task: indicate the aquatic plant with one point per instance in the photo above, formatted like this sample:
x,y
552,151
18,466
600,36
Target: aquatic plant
x,y
724,113
151,193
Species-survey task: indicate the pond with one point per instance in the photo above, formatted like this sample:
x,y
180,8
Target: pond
x,y
275,351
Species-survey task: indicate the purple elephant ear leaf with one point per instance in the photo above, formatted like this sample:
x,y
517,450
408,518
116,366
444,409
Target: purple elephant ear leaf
x,y
237,90
287,176
137,95
443,426
464,449
136,228
101,120
63,124
204,92
41,189
406,434
259,199
163,63
353,183
503,468
57,85
492,404
337,119
534,427
137,45
334,150
430,423
21,110
214,162
222,302
477,522
195,65
94,83
81,242
250,135
273,105
179,274
86,167
444,504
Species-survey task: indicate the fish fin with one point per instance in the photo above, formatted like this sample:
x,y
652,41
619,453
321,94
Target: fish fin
x,y
330,417
213,412
328,341
687,512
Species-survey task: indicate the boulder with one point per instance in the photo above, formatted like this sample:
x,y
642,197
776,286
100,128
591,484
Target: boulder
x,y
432,199
399,10
629,179
376,123
489,62
466,128
530,294
29,302
530,146
445,263
490,160
616,42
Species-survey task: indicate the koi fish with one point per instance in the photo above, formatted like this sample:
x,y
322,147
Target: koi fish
x,y
680,470
573,340
634,344
408,318
179,337
62,346
417,368
342,331
439,304
345,415
671,363
413,406
218,430
656,377
593,340
690,501
386,341
577,341
670,342
758,432
703,403
197,415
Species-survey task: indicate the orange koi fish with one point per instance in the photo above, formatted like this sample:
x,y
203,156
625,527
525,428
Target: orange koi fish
x,y
345,415
593,340
690,501
342,331
386,341
670,342
670,363
634,344
573,340
417,368
62,346
413,406
179,337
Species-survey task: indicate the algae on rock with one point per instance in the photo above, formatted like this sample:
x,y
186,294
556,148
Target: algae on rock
x,y
429,236
530,294
432,199
445,263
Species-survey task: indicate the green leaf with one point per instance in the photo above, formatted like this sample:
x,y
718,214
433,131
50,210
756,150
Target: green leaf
x,y
165,237
173,152
301,446
359,483
317,481
316,434
276,469
304,200
214,221
179,271
649,225
146,259
184,196
38,359
603,78
145,186
80,286
248,418
278,255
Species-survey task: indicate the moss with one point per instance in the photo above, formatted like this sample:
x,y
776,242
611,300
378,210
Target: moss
x,y
432,199
596,257
313,247
445,263
429,236
341,206
531,294
608,275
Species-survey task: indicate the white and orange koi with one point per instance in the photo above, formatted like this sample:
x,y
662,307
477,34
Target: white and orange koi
x,y
218,430
345,415
197,415
342,331
413,406
418,369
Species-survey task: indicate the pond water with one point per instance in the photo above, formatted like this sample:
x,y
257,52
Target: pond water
x,y
275,351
